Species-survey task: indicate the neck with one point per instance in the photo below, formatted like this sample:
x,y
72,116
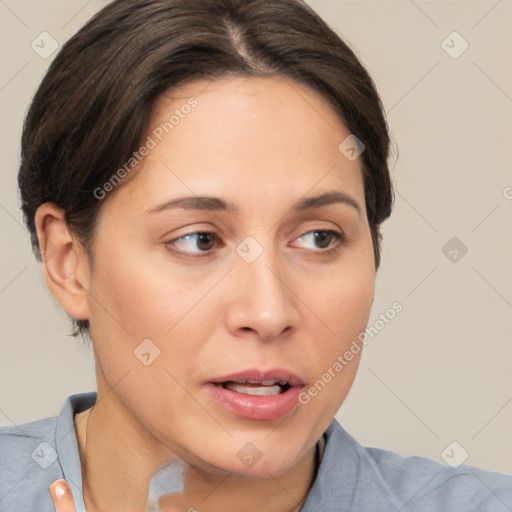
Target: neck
x,y
119,457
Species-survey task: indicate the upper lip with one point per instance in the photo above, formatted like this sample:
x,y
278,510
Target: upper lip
x,y
257,376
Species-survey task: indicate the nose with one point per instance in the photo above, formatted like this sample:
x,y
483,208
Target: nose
x,y
261,300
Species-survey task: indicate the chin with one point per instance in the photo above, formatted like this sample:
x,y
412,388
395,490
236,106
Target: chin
x,y
259,457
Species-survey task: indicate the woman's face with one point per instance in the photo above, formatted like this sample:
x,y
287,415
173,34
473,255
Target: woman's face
x,y
239,256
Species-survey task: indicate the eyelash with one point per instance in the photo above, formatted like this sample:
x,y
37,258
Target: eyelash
x,y
338,236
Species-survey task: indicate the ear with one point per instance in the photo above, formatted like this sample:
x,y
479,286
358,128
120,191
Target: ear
x,y
66,264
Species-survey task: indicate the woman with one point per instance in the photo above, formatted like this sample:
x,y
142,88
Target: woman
x,y
205,181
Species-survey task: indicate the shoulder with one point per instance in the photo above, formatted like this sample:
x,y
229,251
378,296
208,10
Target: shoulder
x,y
19,440
12,436
429,485
35,454
420,484
28,463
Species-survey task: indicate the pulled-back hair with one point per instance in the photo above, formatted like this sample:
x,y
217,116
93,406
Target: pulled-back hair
x,y
92,107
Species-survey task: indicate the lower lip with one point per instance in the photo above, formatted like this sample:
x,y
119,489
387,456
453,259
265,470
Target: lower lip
x,y
256,407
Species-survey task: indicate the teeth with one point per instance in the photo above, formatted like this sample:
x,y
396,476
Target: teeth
x,y
262,383
268,387
248,389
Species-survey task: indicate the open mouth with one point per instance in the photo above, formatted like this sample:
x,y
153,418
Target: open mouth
x,y
256,394
264,388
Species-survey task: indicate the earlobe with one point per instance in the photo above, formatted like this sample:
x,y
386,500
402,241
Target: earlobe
x,y
65,263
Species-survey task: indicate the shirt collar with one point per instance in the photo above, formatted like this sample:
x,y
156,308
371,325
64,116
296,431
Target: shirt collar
x,y
336,478
67,444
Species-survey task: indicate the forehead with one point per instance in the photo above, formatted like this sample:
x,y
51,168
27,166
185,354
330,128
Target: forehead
x,y
230,135
241,106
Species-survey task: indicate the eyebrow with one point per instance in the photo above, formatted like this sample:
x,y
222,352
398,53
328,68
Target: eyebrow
x,y
216,204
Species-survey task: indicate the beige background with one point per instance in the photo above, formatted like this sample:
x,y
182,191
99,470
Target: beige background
x,y
441,370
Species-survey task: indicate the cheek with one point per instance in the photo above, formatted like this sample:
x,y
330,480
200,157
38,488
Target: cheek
x,y
143,300
347,313
140,315
343,303
134,301
347,296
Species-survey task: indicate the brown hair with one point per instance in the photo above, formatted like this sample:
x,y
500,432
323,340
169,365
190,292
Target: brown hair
x,y
91,109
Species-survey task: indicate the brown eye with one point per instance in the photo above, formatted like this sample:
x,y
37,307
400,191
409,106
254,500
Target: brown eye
x,y
323,238
205,241
194,243
319,239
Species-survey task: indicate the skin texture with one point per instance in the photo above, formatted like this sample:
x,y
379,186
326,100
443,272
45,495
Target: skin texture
x,y
262,144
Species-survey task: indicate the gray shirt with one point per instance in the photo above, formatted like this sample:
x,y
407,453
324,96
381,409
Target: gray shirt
x,y
350,478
